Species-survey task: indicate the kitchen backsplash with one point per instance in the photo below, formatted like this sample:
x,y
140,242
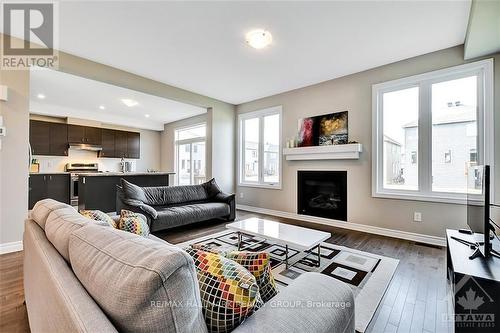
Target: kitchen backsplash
x,y
57,163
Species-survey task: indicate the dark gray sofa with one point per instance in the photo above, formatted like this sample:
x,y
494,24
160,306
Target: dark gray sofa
x,y
171,206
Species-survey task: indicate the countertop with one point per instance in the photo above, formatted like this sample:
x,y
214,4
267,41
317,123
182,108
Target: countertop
x,y
50,173
93,174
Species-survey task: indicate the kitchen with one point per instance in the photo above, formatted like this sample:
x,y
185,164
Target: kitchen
x,y
85,135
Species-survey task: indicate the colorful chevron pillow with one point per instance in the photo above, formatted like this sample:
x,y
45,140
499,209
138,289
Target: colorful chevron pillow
x,y
133,222
229,293
98,215
259,264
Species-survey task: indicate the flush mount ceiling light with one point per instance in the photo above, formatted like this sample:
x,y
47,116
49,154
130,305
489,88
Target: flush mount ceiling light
x,y
41,96
146,115
129,102
102,107
258,38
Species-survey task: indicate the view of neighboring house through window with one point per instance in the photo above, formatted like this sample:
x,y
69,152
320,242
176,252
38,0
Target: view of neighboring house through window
x,y
260,148
430,129
190,155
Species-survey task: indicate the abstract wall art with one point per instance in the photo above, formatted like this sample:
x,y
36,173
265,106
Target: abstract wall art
x,y
323,130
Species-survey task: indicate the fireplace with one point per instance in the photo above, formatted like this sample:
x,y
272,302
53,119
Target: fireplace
x,y
323,194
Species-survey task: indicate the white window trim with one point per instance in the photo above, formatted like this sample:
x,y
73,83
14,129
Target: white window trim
x,y
260,113
485,147
177,143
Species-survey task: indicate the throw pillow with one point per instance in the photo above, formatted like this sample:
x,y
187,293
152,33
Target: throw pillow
x,y
229,293
133,191
259,264
98,215
211,188
133,222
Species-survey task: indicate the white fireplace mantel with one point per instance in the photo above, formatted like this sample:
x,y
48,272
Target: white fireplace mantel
x,y
334,152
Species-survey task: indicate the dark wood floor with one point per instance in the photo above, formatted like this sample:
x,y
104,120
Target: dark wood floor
x,y
416,300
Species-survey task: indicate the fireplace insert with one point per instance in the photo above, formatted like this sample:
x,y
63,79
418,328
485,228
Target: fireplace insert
x,y
322,194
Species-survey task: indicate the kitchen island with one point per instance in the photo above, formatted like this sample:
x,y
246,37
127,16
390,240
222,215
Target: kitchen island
x,y
98,190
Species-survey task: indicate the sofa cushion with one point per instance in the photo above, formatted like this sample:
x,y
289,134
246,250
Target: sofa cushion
x,y
229,292
142,285
133,191
43,208
180,215
133,222
61,223
98,215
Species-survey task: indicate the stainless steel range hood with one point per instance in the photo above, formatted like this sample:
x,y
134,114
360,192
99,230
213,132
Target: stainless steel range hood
x,y
85,146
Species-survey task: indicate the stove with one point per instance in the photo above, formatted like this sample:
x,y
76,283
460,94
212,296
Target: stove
x,y
76,169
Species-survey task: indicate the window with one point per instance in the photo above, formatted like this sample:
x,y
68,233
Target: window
x,y
429,129
190,155
260,148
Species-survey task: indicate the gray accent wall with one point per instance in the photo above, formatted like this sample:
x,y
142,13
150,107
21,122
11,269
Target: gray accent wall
x,y
354,93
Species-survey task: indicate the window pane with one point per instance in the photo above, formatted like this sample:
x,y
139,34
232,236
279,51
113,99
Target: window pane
x,y
454,133
400,162
251,150
185,166
199,162
271,148
198,131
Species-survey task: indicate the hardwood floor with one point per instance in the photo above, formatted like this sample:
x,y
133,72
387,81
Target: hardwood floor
x,y
416,300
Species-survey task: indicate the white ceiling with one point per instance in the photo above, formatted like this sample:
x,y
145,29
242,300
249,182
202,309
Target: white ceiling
x,y
72,96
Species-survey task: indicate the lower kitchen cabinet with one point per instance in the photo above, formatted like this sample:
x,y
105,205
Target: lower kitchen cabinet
x,y
53,186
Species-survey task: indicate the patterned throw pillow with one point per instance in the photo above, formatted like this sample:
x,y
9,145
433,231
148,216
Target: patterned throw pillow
x,y
229,293
259,264
97,215
133,222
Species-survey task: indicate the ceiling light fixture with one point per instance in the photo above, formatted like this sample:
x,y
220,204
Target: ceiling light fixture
x,y
41,96
102,107
129,102
146,115
258,38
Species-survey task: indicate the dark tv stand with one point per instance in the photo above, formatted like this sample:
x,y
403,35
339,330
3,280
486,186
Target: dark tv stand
x,y
479,277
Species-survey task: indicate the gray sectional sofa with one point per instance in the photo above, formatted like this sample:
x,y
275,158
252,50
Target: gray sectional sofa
x,y
84,277
171,206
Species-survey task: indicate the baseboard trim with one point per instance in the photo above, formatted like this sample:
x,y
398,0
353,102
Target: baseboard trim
x,y
421,238
11,247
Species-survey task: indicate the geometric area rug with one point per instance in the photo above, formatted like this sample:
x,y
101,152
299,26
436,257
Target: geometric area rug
x,y
367,274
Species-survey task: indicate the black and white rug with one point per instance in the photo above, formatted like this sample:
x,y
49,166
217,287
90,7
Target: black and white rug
x,y
367,274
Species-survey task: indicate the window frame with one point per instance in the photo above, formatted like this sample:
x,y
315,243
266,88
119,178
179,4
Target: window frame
x,y
178,143
241,150
485,131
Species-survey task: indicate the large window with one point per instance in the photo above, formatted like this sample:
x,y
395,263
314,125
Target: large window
x,y
190,155
429,129
260,148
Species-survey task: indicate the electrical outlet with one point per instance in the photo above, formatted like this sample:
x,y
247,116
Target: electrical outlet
x,y
241,195
417,217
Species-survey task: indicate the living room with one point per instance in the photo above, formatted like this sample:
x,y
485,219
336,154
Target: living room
x,y
346,145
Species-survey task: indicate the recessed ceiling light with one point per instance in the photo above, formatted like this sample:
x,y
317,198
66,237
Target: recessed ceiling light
x,y
41,96
146,115
129,102
258,38
102,107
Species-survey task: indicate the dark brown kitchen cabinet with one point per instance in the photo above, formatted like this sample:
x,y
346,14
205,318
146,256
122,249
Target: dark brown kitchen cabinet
x,y
107,143
39,137
58,138
120,144
84,134
43,186
48,138
133,145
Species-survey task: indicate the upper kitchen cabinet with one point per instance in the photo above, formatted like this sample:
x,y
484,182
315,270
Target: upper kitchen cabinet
x,y
107,143
48,138
84,134
39,137
133,145
120,144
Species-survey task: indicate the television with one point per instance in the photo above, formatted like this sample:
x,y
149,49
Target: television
x,y
478,207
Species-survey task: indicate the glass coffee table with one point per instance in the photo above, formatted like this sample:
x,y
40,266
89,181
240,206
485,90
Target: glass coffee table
x,y
300,238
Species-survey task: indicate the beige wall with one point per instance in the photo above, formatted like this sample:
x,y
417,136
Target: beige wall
x,y
353,93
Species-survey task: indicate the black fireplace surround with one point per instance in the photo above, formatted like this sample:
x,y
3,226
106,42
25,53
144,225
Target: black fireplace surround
x,y
322,194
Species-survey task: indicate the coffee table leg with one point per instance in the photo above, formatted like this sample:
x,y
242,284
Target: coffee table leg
x,y
239,240
286,256
319,255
